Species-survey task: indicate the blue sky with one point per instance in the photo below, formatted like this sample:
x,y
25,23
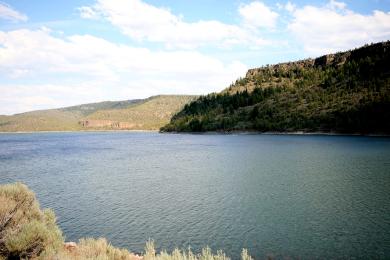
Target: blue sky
x,y
60,53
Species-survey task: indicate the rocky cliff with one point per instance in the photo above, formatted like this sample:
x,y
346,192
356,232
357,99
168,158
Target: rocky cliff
x,y
108,124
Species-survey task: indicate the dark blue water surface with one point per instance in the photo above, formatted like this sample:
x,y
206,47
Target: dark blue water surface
x,y
282,196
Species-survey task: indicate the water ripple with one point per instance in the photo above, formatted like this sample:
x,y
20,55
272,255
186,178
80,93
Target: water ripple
x,y
307,197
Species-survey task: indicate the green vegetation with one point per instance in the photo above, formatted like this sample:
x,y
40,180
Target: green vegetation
x,y
145,114
27,232
347,92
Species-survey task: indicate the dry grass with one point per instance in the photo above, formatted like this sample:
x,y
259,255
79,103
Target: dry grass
x,y
91,249
150,254
88,249
151,114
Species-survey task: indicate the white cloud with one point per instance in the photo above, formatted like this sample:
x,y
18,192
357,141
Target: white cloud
x,y
7,13
333,27
85,68
87,12
258,15
18,98
142,21
333,4
290,7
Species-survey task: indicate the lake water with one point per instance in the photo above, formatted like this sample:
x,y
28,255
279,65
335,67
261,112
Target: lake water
x,y
277,195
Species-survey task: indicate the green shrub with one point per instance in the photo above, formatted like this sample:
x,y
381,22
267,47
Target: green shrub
x,y
25,230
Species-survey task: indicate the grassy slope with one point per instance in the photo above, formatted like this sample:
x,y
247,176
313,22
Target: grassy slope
x,y
87,109
150,113
45,120
62,119
347,92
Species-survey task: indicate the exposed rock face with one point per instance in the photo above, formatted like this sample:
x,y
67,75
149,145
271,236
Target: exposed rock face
x,y
332,59
107,124
281,67
326,60
335,60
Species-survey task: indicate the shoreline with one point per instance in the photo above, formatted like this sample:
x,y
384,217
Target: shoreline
x,y
302,133
279,133
77,131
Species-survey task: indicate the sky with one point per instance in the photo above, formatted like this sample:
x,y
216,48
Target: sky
x,y
61,53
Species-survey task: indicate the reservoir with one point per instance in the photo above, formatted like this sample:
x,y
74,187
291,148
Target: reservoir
x,y
281,196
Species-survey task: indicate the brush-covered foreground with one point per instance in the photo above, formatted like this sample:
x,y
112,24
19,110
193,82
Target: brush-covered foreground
x,y
27,232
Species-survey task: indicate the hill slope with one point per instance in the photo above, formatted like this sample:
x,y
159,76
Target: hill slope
x,y
87,109
347,92
74,118
150,114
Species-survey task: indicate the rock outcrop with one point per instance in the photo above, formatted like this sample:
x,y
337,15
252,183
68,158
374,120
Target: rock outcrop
x,y
107,124
336,60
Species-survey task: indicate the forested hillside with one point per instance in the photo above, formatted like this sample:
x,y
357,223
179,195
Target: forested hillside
x,y
347,92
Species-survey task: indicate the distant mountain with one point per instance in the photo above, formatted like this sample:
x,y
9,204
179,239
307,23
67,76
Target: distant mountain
x,y
346,92
140,114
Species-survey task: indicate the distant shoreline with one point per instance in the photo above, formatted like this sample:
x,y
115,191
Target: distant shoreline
x,y
279,133
75,131
206,133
